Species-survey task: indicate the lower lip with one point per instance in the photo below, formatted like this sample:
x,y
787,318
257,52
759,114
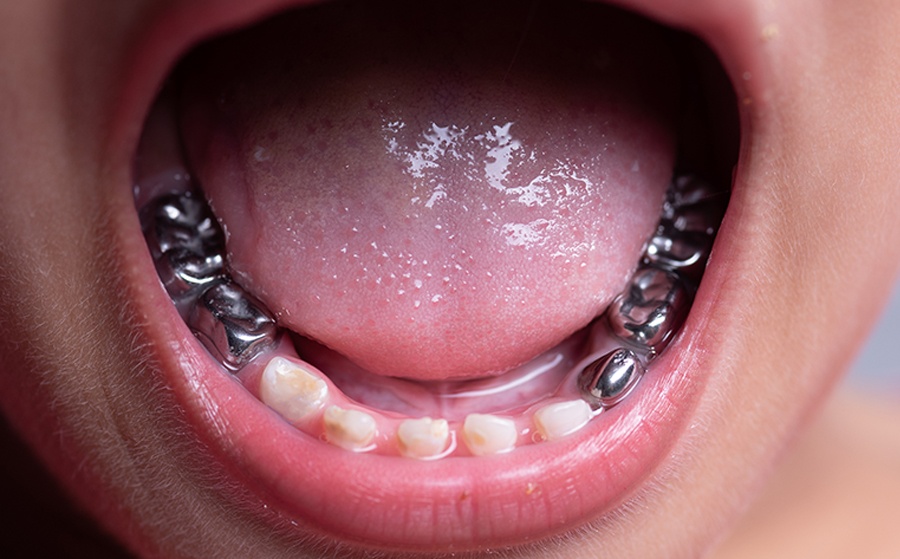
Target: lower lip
x,y
463,503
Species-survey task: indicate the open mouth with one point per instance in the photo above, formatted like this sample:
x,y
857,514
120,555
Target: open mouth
x,y
422,298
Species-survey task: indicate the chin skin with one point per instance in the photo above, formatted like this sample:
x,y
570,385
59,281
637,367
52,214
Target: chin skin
x,y
805,257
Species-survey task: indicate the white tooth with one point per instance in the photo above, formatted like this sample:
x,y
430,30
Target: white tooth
x,y
488,434
350,429
291,390
562,418
423,438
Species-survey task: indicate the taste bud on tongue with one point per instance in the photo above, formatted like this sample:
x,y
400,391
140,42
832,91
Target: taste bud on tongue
x,y
432,208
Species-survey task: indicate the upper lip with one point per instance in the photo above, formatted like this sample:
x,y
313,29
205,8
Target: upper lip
x,y
462,498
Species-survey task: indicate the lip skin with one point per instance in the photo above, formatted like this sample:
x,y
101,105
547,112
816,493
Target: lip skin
x,y
136,421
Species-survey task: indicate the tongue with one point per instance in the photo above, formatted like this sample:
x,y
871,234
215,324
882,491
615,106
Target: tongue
x,y
434,200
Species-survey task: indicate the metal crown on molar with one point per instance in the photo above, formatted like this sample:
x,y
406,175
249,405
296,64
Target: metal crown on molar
x,y
232,324
188,248
607,381
650,311
185,243
687,228
652,308
180,221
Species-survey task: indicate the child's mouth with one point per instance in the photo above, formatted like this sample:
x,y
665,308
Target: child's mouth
x,y
463,390
178,455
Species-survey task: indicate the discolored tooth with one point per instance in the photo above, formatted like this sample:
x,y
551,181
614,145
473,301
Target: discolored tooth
x,y
557,420
486,434
292,390
424,437
232,325
350,429
651,310
608,380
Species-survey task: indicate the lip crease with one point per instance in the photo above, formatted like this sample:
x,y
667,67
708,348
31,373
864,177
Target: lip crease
x,y
465,504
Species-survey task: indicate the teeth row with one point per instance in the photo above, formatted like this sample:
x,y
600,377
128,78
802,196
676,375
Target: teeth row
x,y
188,250
301,396
647,315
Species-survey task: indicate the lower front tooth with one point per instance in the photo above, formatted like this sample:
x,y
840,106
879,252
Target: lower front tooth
x,y
349,429
488,434
555,421
291,390
423,438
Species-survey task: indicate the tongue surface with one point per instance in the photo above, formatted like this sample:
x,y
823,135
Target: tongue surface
x,y
440,195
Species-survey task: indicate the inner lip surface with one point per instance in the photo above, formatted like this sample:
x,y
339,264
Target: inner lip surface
x,y
633,440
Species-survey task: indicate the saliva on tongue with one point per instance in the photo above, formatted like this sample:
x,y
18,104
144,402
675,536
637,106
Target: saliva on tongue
x,y
434,195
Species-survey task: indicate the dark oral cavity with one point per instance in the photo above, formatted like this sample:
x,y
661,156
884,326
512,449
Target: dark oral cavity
x,y
546,392
427,203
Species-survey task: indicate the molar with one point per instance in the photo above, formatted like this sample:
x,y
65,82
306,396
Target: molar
x,y
609,379
650,311
232,325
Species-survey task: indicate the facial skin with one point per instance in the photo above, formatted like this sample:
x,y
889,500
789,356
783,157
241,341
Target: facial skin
x,y
805,257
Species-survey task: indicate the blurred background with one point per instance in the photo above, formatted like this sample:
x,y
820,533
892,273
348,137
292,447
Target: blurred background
x,y
878,365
